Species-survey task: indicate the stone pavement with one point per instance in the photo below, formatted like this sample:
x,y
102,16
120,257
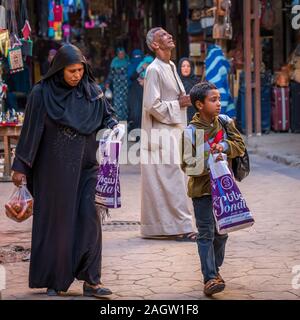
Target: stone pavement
x,y
279,147
258,263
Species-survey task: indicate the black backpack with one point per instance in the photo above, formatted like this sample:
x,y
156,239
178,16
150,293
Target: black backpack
x,y
240,165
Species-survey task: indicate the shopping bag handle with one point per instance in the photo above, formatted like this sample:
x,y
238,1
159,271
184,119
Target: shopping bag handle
x,y
117,133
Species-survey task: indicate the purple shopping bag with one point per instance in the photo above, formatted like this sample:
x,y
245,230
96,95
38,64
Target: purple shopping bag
x,y
229,207
108,183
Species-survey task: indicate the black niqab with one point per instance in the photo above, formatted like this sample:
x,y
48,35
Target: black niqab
x,y
76,107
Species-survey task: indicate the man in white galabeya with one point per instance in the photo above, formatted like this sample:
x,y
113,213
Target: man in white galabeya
x,y
164,211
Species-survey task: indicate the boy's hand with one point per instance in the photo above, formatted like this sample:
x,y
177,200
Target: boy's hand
x,y
184,101
216,148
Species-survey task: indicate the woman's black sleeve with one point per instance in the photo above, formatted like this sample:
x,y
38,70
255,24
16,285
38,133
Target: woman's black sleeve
x,y
109,117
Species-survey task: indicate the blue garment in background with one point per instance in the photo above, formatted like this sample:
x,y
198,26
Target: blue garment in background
x,y
137,56
217,70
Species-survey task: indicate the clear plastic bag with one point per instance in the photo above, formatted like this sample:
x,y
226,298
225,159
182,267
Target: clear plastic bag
x,y
20,204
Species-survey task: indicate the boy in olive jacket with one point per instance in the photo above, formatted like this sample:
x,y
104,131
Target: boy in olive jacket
x,y
205,97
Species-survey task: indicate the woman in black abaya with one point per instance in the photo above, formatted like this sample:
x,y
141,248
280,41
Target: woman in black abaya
x,y
57,154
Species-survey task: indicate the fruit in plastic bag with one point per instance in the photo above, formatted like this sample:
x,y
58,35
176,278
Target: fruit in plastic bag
x,y
20,204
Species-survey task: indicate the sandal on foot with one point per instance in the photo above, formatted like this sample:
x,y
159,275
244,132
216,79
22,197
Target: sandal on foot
x,y
219,278
52,292
187,237
97,292
213,286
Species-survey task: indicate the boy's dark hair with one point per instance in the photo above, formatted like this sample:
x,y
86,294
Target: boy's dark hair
x,y
200,91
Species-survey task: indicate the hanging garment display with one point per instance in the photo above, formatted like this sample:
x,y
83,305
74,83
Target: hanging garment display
x,y
4,42
228,26
15,59
27,44
67,31
26,30
218,31
58,13
27,47
2,17
223,27
66,11
268,15
51,20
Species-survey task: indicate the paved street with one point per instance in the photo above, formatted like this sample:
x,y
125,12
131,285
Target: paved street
x,y
258,262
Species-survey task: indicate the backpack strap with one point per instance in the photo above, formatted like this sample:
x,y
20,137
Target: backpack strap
x,y
223,122
190,126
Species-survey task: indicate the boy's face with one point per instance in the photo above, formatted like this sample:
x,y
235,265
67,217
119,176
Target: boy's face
x,y
211,107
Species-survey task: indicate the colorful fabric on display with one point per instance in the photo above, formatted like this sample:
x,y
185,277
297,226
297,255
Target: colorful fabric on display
x,y
66,11
15,59
58,13
51,19
217,69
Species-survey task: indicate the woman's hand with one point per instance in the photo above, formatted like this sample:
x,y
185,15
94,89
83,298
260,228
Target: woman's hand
x,y
18,178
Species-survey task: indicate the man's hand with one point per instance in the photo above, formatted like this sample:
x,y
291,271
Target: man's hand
x,y
216,148
18,178
140,81
184,101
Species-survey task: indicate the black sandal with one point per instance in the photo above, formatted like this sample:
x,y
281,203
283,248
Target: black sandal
x,y
213,286
187,237
98,292
52,292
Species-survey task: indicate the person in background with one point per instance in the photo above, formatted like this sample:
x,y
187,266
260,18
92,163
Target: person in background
x,y
217,69
46,65
137,56
164,208
189,79
135,97
118,81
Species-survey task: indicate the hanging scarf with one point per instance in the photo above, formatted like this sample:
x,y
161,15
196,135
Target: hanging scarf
x,y
77,107
213,132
